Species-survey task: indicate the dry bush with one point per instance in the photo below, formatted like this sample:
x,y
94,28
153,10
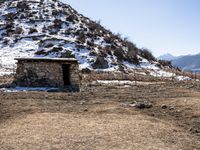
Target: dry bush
x,y
119,54
72,18
90,43
57,23
108,39
67,54
40,52
32,30
165,63
131,56
10,17
56,49
18,30
49,45
81,37
100,63
23,6
147,54
9,28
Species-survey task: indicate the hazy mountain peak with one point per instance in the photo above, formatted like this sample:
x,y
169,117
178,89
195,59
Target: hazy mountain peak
x,y
167,56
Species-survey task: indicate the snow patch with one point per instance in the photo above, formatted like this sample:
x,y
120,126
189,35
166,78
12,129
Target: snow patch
x,y
114,82
182,78
26,89
162,73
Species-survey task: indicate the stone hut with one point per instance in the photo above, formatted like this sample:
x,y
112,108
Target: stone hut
x,y
47,72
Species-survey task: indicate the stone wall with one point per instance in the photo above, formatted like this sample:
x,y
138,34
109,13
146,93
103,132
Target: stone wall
x,y
44,74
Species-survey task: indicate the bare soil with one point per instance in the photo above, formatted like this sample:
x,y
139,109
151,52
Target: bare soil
x,y
100,117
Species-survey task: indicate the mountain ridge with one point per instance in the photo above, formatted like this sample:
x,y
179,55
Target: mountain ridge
x,y
190,62
167,56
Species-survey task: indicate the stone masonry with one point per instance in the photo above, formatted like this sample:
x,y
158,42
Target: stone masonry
x,y
45,72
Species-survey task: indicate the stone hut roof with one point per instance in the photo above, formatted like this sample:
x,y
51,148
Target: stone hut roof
x,y
43,59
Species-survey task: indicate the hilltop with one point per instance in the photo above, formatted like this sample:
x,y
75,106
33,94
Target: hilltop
x,y
50,28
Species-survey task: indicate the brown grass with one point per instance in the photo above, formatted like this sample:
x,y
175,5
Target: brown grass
x,y
100,118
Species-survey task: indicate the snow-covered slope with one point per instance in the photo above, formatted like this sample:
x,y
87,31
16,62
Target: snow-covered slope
x,y
50,28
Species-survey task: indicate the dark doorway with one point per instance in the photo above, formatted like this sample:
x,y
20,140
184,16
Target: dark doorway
x,y
66,74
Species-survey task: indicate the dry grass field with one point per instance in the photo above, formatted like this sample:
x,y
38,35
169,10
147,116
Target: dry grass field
x,y
101,117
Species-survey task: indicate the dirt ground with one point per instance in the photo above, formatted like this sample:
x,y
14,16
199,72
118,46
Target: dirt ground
x,y
100,117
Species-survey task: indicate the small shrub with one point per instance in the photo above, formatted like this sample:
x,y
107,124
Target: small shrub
x,y
6,41
102,53
108,50
119,54
10,17
44,29
145,53
90,43
32,30
93,53
80,46
132,57
93,26
100,63
56,49
40,52
67,54
1,1
49,45
30,15
165,63
131,46
23,6
72,18
35,38
55,13
81,37
86,71
9,28
18,30
57,23
22,16
108,39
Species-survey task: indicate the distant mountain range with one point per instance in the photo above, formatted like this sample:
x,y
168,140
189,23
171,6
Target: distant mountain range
x,y
186,62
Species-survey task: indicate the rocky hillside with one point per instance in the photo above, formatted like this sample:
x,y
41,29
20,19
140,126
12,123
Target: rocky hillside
x,y
50,28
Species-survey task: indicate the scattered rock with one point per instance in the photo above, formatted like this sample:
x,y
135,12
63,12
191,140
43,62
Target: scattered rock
x,y
194,130
82,102
171,108
85,110
124,105
163,106
142,105
191,129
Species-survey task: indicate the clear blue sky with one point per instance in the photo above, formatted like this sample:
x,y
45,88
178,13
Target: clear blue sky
x,y
163,26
